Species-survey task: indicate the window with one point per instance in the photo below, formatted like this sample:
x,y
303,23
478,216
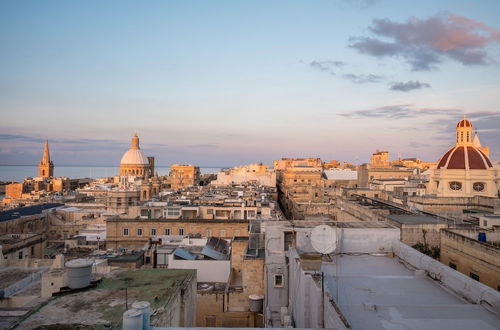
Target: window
x,y
478,186
455,185
222,233
173,212
139,231
209,232
210,211
125,231
153,231
167,231
474,276
453,266
20,256
278,280
211,321
485,223
181,231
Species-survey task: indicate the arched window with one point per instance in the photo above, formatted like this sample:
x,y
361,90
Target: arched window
x,y
478,186
455,185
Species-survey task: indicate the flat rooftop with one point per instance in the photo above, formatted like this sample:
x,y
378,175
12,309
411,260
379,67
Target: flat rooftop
x,y
413,219
309,223
105,304
378,292
25,211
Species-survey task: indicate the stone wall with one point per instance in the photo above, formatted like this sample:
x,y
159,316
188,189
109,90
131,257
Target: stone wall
x,y
181,309
115,227
471,256
212,311
452,205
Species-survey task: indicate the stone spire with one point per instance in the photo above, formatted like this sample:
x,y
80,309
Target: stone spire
x,y
46,167
476,141
46,153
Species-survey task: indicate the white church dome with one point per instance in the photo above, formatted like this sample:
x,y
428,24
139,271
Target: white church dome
x,y
134,156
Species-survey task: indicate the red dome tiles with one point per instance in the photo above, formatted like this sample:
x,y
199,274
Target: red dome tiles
x,y
464,157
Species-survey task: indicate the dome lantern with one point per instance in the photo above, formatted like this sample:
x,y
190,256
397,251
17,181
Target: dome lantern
x,y
464,132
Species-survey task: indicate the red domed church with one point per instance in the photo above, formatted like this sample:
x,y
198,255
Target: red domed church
x,y
465,170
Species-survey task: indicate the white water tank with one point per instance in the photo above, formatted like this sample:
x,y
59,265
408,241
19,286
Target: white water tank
x,y
144,308
79,273
132,319
256,302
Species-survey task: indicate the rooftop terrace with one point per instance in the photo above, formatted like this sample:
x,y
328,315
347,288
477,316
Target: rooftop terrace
x,y
377,292
106,303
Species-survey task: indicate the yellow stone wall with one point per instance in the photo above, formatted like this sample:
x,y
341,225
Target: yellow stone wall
x,y
471,256
116,238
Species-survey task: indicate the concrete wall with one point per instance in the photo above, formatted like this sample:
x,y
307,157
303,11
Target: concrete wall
x,y
206,270
305,297
350,240
309,307
181,309
462,285
354,240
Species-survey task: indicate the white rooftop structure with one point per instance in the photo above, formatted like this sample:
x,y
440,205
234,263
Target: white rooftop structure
x,y
341,174
377,292
370,281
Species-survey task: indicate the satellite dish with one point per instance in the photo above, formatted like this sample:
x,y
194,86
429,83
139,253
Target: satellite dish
x,y
323,239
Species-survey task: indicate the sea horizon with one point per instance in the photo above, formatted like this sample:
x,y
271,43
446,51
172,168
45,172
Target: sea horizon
x,y
18,173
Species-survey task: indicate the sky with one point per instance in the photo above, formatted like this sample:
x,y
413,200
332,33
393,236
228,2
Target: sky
x,y
226,83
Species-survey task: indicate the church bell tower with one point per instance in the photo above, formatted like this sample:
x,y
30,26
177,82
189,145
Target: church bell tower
x,y
46,167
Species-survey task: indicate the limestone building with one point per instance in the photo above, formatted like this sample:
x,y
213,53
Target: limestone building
x,y
46,167
258,173
182,176
474,253
380,159
465,170
135,163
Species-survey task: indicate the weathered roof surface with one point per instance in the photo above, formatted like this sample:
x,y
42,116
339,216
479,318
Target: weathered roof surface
x,y
379,293
407,219
129,257
25,211
106,303
341,174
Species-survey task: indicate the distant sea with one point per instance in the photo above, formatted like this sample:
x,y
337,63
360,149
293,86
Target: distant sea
x,y
20,172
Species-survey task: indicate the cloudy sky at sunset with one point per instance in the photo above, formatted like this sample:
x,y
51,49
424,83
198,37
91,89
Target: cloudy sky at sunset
x,y
222,83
